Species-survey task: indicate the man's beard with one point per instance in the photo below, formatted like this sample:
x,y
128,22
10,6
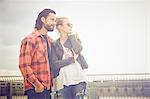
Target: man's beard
x,y
49,27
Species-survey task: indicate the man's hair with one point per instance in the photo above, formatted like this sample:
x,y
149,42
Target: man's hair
x,y
44,13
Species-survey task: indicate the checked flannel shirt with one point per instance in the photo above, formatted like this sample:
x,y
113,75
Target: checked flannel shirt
x,y
33,61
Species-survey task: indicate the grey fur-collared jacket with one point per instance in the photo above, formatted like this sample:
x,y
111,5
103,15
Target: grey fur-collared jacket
x,y
57,53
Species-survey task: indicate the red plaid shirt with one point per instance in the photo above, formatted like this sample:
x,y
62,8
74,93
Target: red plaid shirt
x,y
33,61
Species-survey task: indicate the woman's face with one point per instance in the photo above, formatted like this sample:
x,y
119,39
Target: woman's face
x,y
66,27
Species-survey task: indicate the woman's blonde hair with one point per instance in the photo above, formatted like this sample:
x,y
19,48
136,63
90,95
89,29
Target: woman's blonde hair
x,y
60,21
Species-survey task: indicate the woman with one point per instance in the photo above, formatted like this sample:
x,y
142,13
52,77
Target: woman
x,y
67,62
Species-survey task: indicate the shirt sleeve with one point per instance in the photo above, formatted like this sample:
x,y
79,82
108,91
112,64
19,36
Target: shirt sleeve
x,y
25,63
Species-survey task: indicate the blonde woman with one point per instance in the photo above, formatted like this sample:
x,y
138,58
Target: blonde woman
x,y
68,62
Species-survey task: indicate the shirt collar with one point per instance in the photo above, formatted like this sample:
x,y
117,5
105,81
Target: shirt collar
x,y
38,34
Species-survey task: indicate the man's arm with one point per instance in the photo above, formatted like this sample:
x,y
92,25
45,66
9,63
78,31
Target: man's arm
x,y
25,63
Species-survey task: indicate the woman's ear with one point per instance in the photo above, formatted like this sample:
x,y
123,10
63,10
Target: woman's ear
x,y
43,19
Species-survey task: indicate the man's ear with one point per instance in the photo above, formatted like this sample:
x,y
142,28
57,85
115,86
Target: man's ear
x,y
43,19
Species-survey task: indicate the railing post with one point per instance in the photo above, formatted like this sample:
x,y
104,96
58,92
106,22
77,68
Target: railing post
x,y
9,96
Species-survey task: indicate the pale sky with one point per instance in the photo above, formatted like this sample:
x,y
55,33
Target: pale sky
x,y
115,33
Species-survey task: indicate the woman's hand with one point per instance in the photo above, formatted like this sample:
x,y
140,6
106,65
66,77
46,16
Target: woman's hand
x,y
67,54
75,55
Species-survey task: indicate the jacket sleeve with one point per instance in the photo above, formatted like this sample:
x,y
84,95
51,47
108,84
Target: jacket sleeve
x,y
80,59
76,43
25,63
60,62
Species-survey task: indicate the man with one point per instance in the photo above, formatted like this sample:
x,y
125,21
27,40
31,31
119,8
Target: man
x,y
34,59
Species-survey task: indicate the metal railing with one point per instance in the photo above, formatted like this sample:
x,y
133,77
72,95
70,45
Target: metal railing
x,y
100,86
116,77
